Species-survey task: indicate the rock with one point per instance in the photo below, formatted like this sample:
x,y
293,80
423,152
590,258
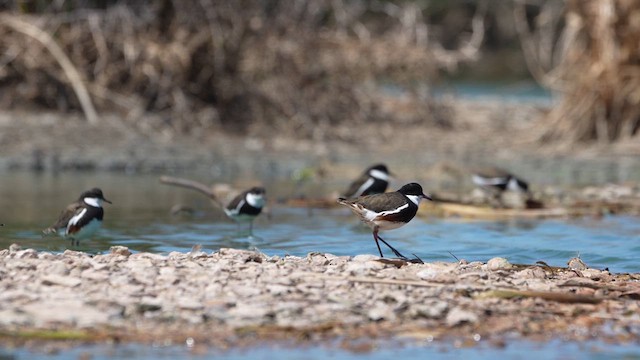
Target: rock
x,y
576,264
68,311
457,316
119,250
74,254
432,310
381,311
91,274
189,304
534,272
55,267
26,254
364,258
61,280
498,263
359,268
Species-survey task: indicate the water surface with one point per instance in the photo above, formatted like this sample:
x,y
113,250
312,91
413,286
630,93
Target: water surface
x,y
140,219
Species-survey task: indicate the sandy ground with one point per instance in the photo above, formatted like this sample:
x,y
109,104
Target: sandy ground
x,y
235,297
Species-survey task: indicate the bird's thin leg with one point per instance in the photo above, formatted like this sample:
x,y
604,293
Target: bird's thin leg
x,y
396,252
375,237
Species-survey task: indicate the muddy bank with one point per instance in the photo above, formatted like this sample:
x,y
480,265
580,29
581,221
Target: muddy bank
x,y
57,141
234,297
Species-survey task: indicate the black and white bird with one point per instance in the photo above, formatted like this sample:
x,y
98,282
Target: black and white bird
x,y
498,180
374,180
387,211
246,206
80,219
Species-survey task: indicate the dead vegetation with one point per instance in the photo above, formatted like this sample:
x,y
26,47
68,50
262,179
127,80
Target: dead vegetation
x,y
588,52
242,65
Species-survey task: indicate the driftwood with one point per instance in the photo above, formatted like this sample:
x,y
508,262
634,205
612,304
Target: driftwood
x,y
489,213
193,185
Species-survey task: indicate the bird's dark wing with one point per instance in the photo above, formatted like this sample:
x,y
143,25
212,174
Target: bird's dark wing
x,y
491,172
235,204
88,214
66,215
354,188
382,202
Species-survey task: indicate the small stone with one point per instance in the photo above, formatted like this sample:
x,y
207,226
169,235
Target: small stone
x,y
434,310
534,272
13,248
53,268
364,258
61,280
576,264
92,274
381,311
498,263
27,254
457,316
189,304
75,254
120,250
363,268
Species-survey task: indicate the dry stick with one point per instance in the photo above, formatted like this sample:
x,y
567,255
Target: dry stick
x,y
380,281
497,292
193,185
65,63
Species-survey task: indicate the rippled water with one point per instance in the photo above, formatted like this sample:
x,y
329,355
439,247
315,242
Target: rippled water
x,y
139,218
437,350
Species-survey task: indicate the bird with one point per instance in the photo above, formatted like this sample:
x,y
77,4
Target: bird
x,y
387,211
80,219
246,206
374,180
498,180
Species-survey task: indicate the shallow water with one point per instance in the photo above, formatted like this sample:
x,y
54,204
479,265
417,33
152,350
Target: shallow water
x,y
139,219
435,350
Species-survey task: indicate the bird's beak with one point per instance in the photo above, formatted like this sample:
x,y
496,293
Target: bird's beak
x,y
105,200
427,197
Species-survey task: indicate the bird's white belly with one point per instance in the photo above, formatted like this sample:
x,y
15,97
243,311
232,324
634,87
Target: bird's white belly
x,y
388,225
86,230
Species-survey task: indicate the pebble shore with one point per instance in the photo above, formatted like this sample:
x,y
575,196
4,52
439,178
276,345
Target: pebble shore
x,y
232,296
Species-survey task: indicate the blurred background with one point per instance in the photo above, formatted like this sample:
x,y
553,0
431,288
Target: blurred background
x,y
359,72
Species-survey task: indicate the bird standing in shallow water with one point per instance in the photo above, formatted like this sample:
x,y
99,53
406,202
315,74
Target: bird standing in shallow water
x,y
80,219
246,206
374,180
387,211
497,180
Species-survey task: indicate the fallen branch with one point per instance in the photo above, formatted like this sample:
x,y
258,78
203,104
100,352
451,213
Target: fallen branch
x,y
546,295
193,185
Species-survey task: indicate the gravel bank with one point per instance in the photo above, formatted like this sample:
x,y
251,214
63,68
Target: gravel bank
x,y
237,296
